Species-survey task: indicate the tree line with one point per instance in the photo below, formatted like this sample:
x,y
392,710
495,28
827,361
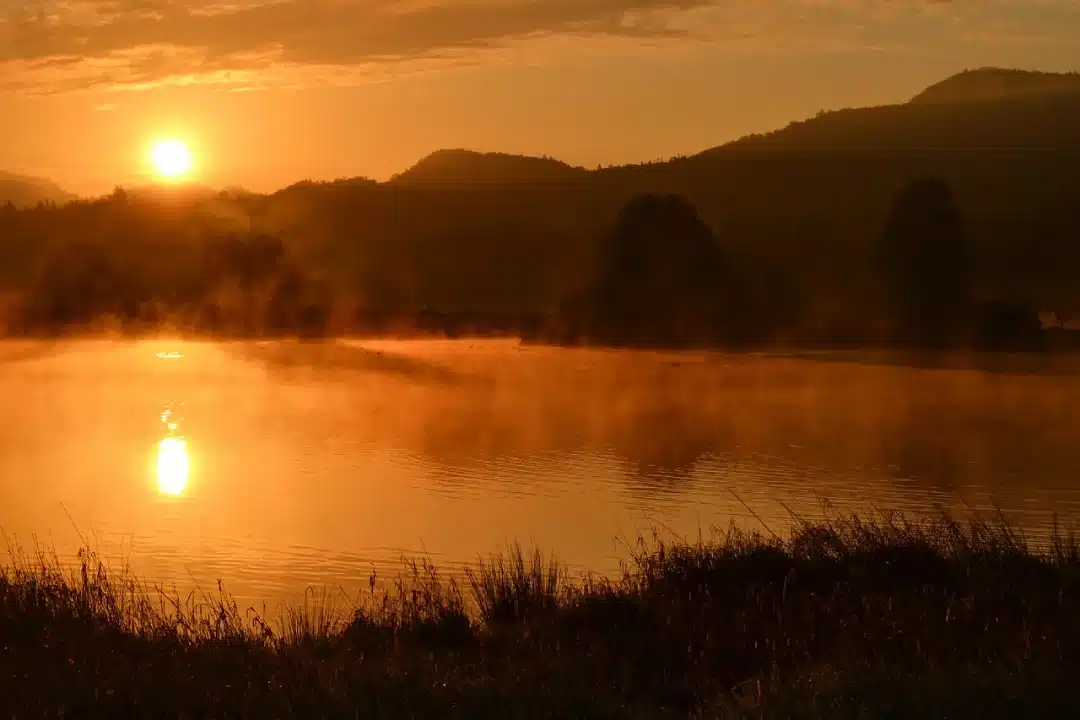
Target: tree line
x,y
324,259
663,278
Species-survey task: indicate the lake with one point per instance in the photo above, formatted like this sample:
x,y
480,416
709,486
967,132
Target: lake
x,y
278,466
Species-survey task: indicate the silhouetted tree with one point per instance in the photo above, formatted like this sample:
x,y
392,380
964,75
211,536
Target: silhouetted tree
x,y
254,264
251,259
1008,325
926,264
661,278
83,283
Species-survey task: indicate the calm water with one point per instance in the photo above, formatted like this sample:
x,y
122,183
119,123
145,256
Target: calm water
x,y
279,466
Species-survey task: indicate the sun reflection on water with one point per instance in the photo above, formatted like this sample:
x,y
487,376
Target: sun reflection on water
x,y
167,421
172,465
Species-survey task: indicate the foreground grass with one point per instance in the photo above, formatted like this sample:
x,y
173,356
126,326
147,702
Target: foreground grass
x,y
851,617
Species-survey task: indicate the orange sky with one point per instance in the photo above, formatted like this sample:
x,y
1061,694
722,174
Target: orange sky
x,y
268,92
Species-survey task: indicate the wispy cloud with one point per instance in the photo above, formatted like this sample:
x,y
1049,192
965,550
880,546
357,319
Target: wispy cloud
x,y
54,45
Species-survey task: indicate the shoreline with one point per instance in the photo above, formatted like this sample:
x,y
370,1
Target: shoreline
x,y
1063,361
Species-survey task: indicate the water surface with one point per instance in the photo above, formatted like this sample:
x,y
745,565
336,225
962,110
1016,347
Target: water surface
x,y
282,465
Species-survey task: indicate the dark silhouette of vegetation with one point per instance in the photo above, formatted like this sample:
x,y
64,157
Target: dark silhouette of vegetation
x,y
926,265
989,84
850,617
816,244
24,191
455,168
661,278
1009,325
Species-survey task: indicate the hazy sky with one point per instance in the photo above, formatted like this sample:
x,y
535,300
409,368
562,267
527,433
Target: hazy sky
x,y
267,92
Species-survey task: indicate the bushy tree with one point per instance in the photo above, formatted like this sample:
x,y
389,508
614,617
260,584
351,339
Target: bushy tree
x,y
925,262
660,278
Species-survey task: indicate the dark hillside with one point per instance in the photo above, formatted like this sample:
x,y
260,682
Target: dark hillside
x,y
24,191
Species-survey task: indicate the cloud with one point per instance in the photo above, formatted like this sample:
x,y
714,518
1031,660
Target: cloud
x,y
51,45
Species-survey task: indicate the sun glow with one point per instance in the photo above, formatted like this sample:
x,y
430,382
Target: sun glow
x,y
171,159
172,465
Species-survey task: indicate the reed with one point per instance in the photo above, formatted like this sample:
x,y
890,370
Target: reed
x,y
856,615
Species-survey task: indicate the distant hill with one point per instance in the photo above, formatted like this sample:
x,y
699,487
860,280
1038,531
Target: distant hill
x,y
183,192
959,117
465,167
24,191
340,183
997,84
988,109
989,132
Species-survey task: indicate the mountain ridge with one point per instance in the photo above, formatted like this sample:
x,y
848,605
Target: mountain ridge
x,y
948,117
470,166
992,83
970,112
26,190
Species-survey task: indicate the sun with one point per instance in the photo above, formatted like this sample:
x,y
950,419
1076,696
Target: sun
x,y
171,158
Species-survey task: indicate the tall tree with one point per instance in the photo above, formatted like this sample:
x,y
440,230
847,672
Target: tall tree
x,y
661,277
926,264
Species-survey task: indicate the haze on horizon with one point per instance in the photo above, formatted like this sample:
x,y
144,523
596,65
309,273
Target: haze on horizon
x,y
267,93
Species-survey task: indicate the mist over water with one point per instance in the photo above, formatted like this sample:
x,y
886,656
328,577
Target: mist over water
x,y
275,466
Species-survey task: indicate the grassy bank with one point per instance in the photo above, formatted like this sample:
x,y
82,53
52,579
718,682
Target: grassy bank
x,y
853,617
